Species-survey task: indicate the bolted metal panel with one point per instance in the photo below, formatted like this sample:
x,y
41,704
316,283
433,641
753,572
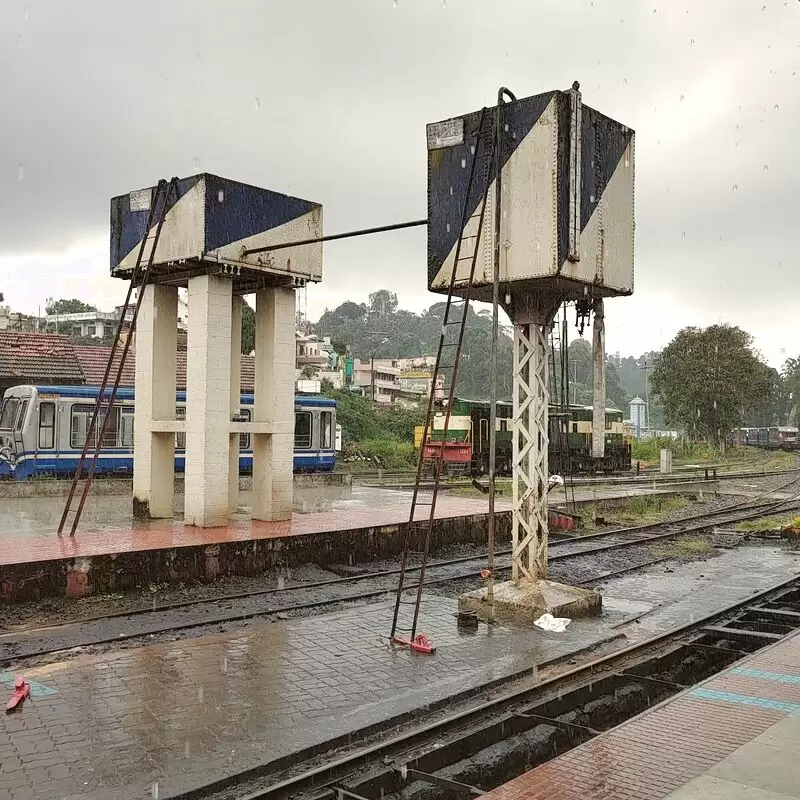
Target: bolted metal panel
x,y
567,206
209,225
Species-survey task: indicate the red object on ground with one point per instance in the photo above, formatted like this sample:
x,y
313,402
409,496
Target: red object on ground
x,y
22,691
486,573
420,643
561,522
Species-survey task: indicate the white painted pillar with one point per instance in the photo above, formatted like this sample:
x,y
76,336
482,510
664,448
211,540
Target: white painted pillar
x,y
208,400
599,381
156,355
235,395
274,403
529,454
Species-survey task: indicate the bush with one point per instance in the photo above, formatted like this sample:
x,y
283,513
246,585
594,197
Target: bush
x,y
362,420
382,453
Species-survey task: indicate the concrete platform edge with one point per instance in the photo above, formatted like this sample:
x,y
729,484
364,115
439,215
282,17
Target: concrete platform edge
x,y
79,576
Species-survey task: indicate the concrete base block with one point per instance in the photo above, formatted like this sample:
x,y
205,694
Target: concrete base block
x,y
525,602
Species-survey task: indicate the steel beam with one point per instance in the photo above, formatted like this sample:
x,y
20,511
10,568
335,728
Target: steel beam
x,y
529,454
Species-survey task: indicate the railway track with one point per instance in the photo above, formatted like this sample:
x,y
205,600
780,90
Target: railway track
x,y
401,480
272,603
474,743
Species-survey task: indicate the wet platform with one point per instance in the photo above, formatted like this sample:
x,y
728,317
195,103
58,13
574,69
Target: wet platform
x,y
734,736
168,718
110,552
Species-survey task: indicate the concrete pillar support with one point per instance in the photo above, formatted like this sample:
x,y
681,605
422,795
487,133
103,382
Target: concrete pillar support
x,y
154,451
274,403
208,400
599,381
235,394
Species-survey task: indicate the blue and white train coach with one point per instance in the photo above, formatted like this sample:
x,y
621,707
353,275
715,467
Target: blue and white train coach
x,y
43,429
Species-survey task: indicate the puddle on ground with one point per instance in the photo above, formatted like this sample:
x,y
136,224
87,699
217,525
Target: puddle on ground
x,y
622,605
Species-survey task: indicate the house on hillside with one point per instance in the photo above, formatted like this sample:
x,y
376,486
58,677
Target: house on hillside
x,y
379,380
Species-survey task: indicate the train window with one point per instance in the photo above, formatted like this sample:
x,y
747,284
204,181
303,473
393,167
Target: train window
x,y
503,424
81,421
111,433
9,413
180,437
574,427
47,426
326,430
81,418
302,429
21,417
126,428
244,438
483,436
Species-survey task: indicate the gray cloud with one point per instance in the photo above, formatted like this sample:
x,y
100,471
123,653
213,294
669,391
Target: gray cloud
x,y
328,100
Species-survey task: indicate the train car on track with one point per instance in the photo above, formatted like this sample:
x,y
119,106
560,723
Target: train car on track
x,y
465,449
782,437
43,429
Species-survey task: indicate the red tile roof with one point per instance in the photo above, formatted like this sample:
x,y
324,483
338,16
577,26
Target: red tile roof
x,y
93,363
38,358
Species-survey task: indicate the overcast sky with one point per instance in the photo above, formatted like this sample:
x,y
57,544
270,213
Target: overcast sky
x,y
328,100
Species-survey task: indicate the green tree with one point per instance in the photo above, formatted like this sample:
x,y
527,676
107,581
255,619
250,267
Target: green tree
x,y
382,303
248,328
709,380
63,306
790,375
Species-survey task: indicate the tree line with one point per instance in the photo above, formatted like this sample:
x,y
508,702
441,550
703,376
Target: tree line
x,y
705,382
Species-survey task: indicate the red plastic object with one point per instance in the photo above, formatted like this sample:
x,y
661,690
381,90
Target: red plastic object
x,y
420,643
22,691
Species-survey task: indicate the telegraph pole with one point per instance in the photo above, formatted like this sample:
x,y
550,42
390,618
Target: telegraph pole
x,y
646,367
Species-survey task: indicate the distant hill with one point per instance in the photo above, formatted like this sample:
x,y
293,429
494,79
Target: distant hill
x,y
380,328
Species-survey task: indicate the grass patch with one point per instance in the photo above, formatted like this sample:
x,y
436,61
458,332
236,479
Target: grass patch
x,y
766,524
640,509
648,451
683,548
646,508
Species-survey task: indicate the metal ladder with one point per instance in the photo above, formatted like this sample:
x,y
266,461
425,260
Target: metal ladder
x,y
447,359
105,398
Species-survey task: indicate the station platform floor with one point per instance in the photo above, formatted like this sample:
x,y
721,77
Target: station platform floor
x,y
111,551
28,525
734,736
158,720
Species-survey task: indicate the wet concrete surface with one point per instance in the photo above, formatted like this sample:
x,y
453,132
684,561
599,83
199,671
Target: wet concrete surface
x,y
177,716
181,714
679,594
39,516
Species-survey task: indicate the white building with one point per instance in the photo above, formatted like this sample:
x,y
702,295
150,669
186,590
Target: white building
x,y
91,324
379,380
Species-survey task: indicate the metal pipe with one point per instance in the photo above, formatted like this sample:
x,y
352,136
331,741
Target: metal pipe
x,y
498,132
333,236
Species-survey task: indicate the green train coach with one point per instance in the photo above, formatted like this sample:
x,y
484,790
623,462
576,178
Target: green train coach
x,y
465,449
